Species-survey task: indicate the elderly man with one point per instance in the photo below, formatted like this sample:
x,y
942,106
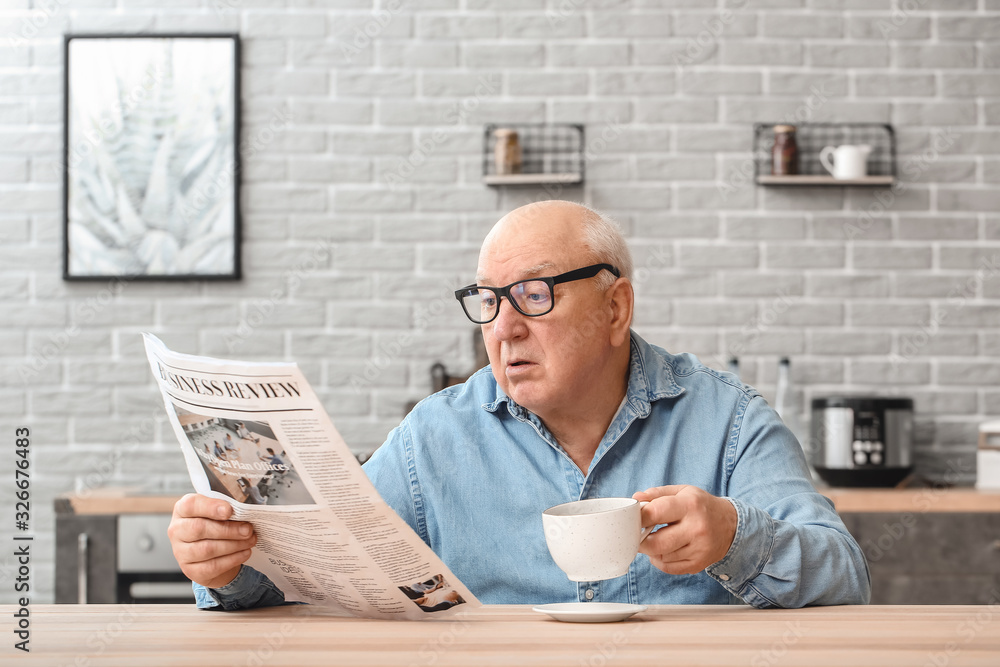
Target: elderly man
x,y
575,405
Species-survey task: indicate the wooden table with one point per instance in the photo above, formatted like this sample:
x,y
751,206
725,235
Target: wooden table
x,y
150,635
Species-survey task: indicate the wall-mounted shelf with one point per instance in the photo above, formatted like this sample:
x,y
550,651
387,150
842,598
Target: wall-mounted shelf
x,y
550,154
532,179
824,180
812,138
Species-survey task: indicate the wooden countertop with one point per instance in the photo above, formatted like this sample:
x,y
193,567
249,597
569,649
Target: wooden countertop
x,y
125,501
913,500
176,635
116,501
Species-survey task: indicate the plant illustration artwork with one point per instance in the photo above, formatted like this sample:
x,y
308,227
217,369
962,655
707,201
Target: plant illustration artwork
x,y
151,170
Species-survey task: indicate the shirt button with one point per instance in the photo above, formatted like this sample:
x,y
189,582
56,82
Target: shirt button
x,y
724,577
589,594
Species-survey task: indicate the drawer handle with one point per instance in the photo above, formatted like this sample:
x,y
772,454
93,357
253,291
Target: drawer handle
x,y
82,549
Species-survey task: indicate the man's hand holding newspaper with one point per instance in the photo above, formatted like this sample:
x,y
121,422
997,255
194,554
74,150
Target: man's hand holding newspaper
x,y
208,546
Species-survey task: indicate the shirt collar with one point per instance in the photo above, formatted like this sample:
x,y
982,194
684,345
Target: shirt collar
x,y
650,379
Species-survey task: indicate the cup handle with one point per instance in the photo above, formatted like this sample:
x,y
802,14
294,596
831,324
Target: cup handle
x,y
824,158
646,530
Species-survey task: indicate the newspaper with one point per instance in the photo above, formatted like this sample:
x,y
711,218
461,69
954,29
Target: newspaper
x,y
255,435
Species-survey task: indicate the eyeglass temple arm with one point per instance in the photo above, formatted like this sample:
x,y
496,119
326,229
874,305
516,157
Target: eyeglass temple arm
x,y
586,272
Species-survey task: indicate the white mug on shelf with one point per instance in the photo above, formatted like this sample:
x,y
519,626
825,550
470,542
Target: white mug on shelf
x,y
848,161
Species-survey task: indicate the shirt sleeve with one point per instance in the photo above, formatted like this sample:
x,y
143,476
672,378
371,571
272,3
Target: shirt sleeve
x,y
791,549
250,589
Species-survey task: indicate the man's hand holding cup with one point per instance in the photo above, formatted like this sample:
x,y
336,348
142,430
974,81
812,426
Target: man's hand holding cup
x,y
701,528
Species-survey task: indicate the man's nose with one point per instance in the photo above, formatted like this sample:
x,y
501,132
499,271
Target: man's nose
x,y
509,322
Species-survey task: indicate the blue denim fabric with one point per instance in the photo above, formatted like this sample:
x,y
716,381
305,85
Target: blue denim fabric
x,y
471,472
249,589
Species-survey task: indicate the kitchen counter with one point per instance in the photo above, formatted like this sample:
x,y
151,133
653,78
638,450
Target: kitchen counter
x,y
116,501
126,501
926,546
153,635
111,546
913,500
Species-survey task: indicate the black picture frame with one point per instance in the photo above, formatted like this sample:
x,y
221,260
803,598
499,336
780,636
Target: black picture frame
x,y
150,162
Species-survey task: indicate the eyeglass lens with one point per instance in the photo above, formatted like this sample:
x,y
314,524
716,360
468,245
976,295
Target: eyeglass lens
x,y
531,297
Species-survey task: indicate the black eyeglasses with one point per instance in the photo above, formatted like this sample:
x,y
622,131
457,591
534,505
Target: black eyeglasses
x,y
531,297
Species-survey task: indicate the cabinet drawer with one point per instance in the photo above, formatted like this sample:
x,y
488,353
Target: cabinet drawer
x,y
934,589
929,543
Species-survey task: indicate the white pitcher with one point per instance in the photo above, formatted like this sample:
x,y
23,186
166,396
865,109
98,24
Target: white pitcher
x,y
848,161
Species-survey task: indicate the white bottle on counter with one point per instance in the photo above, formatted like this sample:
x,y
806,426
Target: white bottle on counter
x,y
782,396
786,405
988,456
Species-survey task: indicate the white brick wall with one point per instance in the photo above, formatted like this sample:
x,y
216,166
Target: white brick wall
x,y
341,267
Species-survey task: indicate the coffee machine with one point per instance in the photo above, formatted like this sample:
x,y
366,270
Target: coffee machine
x,y
861,440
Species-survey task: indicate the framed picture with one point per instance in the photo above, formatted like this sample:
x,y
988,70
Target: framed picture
x,y
150,164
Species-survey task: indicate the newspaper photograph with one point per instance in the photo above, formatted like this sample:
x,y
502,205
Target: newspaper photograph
x,y
255,435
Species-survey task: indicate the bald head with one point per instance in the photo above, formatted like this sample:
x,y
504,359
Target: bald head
x,y
553,217
568,228
533,228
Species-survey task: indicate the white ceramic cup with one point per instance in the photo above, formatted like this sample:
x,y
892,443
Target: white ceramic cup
x,y
594,539
846,161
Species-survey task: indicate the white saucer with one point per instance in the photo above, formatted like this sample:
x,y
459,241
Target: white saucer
x,y
590,612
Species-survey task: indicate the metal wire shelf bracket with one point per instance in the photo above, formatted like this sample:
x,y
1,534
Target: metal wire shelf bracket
x,y
812,138
550,153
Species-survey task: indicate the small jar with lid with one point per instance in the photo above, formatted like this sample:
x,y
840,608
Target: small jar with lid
x,y
507,151
785,153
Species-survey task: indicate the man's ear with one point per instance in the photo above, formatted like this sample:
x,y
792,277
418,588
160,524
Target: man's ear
x,y
621,299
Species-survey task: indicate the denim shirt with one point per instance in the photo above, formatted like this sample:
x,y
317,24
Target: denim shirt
x,y
471,471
